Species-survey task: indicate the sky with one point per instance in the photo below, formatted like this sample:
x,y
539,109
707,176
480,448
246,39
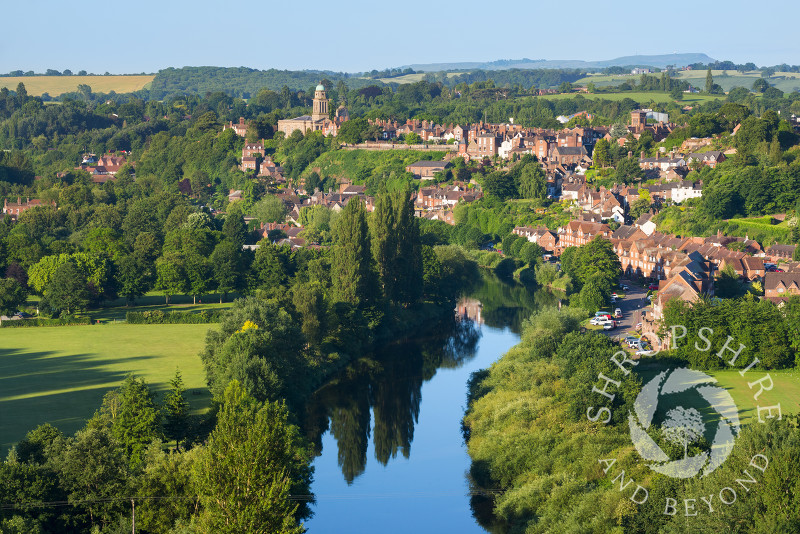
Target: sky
x,y
356,35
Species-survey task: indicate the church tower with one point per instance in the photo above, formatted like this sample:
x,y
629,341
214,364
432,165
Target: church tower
x,y
320,109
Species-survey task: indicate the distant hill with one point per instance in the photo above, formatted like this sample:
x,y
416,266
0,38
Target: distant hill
x,y
659,61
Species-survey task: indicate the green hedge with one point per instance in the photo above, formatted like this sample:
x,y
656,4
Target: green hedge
x,y
175,317
68,321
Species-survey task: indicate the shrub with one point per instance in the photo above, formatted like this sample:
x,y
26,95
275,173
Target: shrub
x,y
176,317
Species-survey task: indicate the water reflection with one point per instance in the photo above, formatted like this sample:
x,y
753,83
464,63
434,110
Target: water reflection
x,y
379,395
389,384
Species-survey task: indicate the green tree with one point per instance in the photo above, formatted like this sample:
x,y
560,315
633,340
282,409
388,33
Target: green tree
x,y
227,266
532,182
200,275
253,463
234,230
408,286
413,139
384,242
135,278
639,206
628,170
67,291
12,296
176,411
171,277
269,209
94,472
709,82
133,416
352,271
760,85
600,154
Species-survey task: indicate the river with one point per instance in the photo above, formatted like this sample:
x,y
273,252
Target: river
x,y
389,462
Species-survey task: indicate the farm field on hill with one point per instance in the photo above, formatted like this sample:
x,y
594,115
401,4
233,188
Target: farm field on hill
x,y
56,85
60,374
641,97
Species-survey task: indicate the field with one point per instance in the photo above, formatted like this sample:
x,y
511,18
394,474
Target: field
x,y
641,97
60,374
785,81
55,85
786,391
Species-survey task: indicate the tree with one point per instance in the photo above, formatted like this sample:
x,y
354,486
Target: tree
x,y
413,139
601,155
134,278
253,463
234,229
532,182
639,206
408,286
12,296
171,277
67,291
676,93
269,209
531,253
384,242
227,265
796,253
709,82
176,411
628,171
760,85
199,275
134,417
352,266
94,473
500,185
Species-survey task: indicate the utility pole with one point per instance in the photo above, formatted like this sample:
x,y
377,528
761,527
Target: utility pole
x,y
133,516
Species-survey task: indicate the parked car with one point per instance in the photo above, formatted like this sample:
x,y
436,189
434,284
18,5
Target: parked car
x,y
644,353
609,325
597,321
653,287
624,288
617,314
630,339
601,312
638,326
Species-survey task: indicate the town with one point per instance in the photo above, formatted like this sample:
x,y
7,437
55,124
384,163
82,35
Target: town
x,y
242,300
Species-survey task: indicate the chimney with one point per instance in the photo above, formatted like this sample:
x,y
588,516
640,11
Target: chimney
x,y
641,155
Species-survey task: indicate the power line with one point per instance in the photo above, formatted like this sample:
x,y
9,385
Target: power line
x,y
297,497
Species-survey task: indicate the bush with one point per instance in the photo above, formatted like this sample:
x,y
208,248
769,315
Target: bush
x,y
176,317
65,321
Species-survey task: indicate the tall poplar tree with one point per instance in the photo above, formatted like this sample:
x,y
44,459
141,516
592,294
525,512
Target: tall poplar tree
x,y
408,282
709,81
384,242
352,267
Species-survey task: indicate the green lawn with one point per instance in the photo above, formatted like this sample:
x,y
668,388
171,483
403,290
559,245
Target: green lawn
x,y
785,392
60,374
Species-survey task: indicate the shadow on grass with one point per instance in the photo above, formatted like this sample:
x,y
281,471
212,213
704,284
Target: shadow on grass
x,y
64,390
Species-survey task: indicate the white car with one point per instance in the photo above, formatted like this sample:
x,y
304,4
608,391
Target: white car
x,y
644,353
597,321
624,288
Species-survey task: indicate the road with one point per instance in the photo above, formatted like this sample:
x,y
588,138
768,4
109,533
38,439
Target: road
x,y
631,306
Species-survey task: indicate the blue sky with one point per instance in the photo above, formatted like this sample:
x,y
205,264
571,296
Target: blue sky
x,y
356,35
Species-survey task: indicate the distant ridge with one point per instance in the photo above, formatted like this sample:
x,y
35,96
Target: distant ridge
x,y
659,61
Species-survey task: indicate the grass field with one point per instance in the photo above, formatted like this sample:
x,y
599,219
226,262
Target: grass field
x,y
641,97
60,374
786,391
55,85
